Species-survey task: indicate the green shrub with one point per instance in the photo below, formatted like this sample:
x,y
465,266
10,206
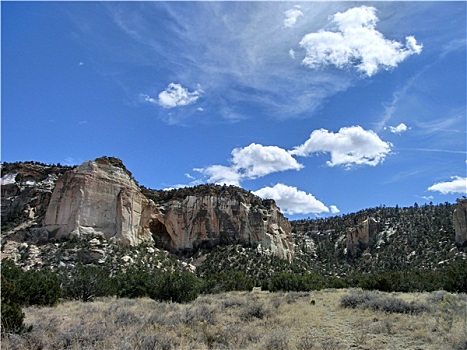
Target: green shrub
x,y
12,318
399,281
455,277
294,282
86,283
20,288
286,281
40,288
227,281
179,287
133,283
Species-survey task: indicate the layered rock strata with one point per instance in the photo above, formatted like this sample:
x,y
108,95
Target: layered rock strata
x,y
97,199
100,198
197,221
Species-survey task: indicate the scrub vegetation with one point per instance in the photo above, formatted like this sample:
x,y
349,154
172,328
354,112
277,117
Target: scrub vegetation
x,y
326,319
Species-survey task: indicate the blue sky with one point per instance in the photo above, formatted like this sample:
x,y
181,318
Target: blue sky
x,y
327,107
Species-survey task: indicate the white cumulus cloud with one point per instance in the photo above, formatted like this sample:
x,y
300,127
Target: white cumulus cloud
x,y
251,162
334,209
356,43
350,146
457,185
257,160
175,95
398,129
220,174
291,16
292,200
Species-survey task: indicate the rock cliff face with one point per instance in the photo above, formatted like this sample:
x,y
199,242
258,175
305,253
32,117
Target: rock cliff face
x,y
460,221
26,189
358,238
212,219
98,198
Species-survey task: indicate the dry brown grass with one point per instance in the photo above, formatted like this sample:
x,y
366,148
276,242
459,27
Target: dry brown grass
x,y
271,321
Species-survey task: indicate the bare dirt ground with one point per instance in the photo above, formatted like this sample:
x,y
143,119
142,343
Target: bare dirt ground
x,y
246,320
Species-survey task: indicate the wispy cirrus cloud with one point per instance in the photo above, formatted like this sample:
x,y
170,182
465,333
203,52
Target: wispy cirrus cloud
x,y
456,185
241,55
294,201
292,15
453,45
349,146
242,59
356,43
451,124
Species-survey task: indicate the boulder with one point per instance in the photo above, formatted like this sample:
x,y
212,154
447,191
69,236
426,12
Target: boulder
x,y
38,235
91,256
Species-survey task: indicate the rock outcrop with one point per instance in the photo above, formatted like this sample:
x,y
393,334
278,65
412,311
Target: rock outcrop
x,y
358,238
26,189
208,220
98,198
459,220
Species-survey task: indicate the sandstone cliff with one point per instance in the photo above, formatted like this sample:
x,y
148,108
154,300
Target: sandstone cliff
x,y
98,198
459,219
358,238
227,215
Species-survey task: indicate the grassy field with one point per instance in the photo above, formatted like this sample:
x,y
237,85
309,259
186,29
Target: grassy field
x,y
328,319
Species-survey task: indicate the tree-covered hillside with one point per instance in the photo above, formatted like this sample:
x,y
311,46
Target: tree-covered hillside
x,y
417,237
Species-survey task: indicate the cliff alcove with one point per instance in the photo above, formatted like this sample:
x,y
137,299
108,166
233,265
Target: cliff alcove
x,y
160,234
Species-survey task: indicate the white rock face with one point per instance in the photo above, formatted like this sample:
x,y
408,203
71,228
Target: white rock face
x,y
210,220
96,199
101,199
8,179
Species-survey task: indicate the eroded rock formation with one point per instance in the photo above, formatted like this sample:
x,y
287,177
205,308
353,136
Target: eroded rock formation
x,y
209,220
26,189
358,238
98,198
460,221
